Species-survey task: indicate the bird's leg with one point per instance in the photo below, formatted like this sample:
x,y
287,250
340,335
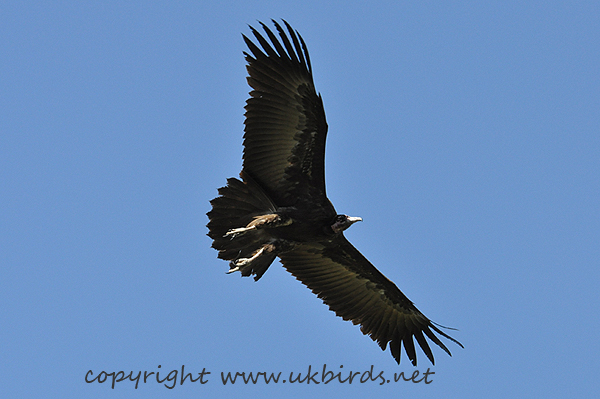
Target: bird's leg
x,y
258,263
235,265
258,222
241,230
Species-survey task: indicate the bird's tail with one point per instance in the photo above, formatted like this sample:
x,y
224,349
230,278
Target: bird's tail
x,y
238,203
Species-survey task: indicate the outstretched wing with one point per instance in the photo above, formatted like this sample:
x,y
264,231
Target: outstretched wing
x,y
284,140
355,290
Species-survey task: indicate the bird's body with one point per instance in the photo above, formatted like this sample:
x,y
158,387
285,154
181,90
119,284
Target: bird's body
x,y
279,208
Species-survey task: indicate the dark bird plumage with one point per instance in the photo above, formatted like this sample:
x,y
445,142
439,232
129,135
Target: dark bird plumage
x,y
279,208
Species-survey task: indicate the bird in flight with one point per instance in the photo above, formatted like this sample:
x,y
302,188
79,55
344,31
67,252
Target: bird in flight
x,y
279,207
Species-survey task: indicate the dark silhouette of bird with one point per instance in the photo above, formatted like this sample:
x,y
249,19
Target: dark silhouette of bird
x,y
279,207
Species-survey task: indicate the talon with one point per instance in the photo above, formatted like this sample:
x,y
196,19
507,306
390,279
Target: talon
x,y
241,230
234,268
241,262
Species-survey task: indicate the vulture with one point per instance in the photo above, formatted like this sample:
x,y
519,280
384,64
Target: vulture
x,y
278,207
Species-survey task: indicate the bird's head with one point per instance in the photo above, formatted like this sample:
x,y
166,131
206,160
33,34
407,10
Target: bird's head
x,y
342,222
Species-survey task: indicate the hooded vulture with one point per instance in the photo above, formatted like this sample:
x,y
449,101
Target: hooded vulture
x,y
279,207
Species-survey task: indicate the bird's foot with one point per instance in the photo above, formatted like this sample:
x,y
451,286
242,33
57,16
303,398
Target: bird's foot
x,y
238,264
239,231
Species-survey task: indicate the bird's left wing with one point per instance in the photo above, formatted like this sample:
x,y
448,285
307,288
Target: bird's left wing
x,y
355,290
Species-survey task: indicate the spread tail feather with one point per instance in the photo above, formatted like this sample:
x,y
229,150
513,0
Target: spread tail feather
x,y
238,204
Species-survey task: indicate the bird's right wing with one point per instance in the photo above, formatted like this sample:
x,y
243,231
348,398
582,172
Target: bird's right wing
x,y
355,290
284,140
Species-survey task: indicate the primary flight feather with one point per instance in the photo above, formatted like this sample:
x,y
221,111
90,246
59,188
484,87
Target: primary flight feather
x,y
279,208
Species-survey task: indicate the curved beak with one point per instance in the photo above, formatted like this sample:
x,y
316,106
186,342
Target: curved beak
x,y
354,219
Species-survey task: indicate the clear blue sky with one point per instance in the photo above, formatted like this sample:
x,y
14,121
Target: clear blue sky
x,y
465,134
